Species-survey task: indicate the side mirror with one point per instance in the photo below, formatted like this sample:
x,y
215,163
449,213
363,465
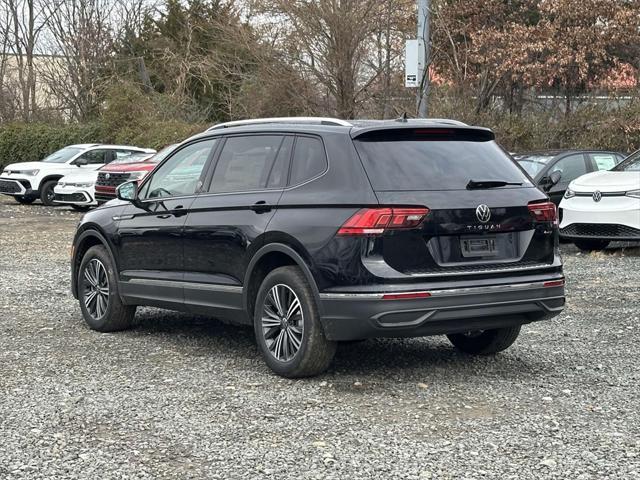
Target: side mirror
x,y
81,162
555,177
128,191
548,182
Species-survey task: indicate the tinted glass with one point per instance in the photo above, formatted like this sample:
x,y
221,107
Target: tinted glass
x,y
180,174
604,161
280,169
62,156
420,163
309,159
245,163
96,157
631,164
164,153
570,167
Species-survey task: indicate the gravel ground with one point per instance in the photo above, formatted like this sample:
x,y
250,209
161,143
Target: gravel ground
x,y
186,397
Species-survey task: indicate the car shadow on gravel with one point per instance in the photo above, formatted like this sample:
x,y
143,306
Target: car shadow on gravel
x,y
203,336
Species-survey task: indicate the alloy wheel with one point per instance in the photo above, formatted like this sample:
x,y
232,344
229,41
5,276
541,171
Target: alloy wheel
x,y
96,290
282,322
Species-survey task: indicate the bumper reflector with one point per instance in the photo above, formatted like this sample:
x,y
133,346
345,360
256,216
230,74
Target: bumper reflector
x,y
554,283
405,296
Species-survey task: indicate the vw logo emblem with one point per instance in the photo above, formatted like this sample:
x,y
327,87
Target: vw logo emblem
x,y
107,176
483,213
597,196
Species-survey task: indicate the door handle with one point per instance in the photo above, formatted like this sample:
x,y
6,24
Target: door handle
x,y
177,211
261,207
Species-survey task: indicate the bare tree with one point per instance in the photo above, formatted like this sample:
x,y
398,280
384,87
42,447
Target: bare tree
x,y
82,36
328,41
26,20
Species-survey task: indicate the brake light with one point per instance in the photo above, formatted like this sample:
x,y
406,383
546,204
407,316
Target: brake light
x,y
544,212
374,221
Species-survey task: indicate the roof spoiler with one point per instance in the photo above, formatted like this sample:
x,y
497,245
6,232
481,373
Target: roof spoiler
x,y
458,132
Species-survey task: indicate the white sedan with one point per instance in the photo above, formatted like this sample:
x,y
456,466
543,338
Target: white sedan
x,y
602,207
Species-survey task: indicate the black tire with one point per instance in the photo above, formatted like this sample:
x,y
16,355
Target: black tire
x,y
485,342
315,353
46,192
80,208
116,316
591,245
25,200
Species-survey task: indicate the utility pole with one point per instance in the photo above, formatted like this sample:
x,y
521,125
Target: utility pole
x,y
423,55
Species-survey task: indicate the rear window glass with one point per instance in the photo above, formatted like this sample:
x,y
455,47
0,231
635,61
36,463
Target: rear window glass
x,y
415,162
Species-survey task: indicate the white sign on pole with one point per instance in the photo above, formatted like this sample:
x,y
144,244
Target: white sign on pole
x,y
412,64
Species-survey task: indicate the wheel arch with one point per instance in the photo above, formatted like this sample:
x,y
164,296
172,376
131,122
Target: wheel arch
x,y
265,260
87,238
54,176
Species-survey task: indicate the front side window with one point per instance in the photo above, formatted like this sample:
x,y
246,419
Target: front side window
x,y
179,175
246,163
570,167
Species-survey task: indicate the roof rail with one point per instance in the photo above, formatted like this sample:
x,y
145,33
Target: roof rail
x,y
289,120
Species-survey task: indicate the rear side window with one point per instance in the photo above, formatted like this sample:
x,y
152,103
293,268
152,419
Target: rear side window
x,y
97,157
309,160
245,163
604,161
416,161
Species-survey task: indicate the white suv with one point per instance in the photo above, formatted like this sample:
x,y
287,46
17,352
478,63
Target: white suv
x,y
29,181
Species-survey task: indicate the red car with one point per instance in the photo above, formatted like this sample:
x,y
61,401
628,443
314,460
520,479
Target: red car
x,y
113,174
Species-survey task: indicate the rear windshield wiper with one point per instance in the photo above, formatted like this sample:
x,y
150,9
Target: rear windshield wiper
x,y
473,184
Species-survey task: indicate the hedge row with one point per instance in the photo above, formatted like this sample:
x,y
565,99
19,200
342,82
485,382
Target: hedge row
x,y
31,142
619,130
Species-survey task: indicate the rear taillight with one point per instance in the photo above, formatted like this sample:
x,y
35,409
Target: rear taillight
x,y
374,221
544,212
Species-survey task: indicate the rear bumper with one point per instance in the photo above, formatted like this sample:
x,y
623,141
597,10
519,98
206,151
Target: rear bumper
x,y
352,316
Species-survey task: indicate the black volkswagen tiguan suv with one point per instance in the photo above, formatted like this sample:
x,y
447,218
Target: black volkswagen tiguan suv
x,y
317,231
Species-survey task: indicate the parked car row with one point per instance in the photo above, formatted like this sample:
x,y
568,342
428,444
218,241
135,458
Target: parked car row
x,y
87,175
82,176
316,231
597,193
